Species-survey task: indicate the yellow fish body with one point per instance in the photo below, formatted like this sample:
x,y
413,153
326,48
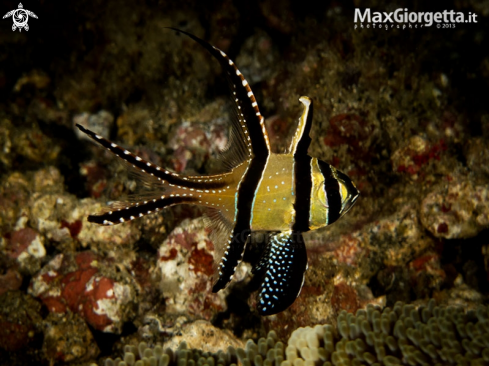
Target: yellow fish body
x,y
282,194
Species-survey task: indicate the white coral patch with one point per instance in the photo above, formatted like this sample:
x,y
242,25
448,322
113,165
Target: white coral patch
x,y
89,286
182,285
115,307
35,249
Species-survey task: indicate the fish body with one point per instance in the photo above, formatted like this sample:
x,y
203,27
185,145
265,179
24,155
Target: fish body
x,y
282,194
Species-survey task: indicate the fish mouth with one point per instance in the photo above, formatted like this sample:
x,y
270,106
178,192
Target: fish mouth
x,y
348,204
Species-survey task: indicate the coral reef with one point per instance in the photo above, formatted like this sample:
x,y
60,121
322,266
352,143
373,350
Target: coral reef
x,y
204,336
402,335
89,286
456,209
269,351
59,347
185,262
20,320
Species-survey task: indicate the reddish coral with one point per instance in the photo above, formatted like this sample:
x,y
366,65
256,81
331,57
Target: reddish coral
x,y
352,130
82,299
54,304
85,259
185,239
19,241
190,144
446,208
414,159
20,320
96,176
344,298
186,265
13,336
80,290
102,289
419,264
73,287
349,250
426,274
74,227
312,290
201,261
442,228
433,152
11,280
169,257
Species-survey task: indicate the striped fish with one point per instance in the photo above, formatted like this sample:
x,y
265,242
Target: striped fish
x,y
281,194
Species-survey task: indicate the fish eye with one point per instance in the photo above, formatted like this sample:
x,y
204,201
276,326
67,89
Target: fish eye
x,y
348,192
320,194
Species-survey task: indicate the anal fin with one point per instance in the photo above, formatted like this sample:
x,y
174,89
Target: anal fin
x,y
283,267
232,256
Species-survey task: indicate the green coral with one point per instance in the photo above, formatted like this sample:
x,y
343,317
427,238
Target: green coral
x,y
402,335
267,353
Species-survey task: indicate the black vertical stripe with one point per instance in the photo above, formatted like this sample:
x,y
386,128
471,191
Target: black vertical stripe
x,y
242,227
332,191
303,187
305,139
352,190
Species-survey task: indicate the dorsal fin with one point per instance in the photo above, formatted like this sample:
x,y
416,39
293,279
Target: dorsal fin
x,y
251,123
301,140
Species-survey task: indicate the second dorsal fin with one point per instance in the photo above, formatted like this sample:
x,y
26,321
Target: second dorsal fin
x,y
301,140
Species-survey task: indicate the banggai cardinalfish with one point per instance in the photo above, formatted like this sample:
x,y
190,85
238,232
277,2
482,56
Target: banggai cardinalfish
x,y
281,194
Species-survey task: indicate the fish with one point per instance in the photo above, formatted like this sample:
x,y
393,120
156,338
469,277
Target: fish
x,y
280,194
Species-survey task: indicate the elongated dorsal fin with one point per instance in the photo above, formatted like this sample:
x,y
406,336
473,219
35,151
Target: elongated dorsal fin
x,y
301,140
250,122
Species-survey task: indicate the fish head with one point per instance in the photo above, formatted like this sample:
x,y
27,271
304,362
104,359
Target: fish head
x,y
348,192
333,194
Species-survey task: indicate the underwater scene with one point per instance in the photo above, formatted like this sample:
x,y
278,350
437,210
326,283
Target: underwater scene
x,y
250,183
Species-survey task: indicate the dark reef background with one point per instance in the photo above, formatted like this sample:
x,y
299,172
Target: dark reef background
x,y
403,112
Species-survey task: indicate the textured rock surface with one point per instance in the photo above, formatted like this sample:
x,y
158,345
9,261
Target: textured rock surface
x,y
185,262
203,336
88,285
20,320
456,210
58,347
